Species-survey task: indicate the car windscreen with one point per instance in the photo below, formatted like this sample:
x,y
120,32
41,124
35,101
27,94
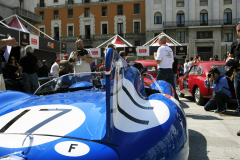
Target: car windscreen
x,y
222,68
63,83
151,68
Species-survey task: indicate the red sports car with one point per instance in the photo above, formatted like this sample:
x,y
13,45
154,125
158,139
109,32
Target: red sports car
x,y
193,84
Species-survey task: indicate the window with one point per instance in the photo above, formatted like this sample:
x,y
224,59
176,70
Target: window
x,y
87,12
136,8
136,27
41,34
204,34
56,14
70,2
195,70
70,30
120,29
180,18
203,17
104,29
86,1
42,15
228,35
55,1
157,18
181,37
227,1
70,13
203,2
228,16
120,10
42,4
104,11
56,33
180,3
137,43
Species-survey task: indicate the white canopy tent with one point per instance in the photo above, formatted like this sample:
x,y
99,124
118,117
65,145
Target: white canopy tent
x,y
118,41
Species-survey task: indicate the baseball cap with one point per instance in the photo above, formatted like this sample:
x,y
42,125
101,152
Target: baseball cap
x,y
65,56
57,60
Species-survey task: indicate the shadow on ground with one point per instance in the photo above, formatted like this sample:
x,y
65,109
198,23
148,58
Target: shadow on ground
x,y
202,117
197,145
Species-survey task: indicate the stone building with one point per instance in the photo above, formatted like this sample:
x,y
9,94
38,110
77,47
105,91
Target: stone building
x,y
22,8
93,21
205,26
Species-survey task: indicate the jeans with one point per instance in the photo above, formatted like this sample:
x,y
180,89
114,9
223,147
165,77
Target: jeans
x,y
237,88
30,81
219,100
168,76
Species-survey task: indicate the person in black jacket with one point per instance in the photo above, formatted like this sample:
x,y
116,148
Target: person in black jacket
x,y
235,50
28,68
43,71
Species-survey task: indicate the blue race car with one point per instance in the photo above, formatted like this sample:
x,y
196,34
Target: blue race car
x,y
95,115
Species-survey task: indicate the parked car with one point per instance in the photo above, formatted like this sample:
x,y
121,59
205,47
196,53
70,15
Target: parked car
x,y
93,115
193,83
151,66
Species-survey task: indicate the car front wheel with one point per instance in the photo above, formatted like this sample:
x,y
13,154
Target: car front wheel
x,y
198,97
178,91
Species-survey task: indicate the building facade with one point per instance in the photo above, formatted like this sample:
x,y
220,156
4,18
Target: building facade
x,y
207,27
22,8
93,21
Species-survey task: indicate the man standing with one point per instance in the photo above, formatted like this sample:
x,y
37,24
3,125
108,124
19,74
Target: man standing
x,y
164,58
43,71
81,58
220,86
186,69
28,68
65,67
55,68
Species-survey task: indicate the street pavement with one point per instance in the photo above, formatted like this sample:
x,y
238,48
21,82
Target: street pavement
x,y
212,136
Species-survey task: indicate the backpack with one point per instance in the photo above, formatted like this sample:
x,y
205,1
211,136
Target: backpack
x,y
230,83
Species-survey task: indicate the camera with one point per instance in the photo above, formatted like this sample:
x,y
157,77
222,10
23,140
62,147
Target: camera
x,y
82,52
209,75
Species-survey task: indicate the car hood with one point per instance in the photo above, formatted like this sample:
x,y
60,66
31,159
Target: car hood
x,y
78,114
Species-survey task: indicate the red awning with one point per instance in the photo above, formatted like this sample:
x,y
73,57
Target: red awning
x,y
16,24
118,42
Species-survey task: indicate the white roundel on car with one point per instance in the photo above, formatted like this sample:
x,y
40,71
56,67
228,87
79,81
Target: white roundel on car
x,y
56,120
72,148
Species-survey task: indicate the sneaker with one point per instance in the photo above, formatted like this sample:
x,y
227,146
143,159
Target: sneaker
x,y
217,111
238,133
224,110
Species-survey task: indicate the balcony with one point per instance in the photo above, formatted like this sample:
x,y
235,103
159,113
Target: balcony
x,y
175,24
69,2
86,1
28,15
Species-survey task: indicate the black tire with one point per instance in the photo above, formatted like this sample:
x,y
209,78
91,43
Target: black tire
x,y
198,97
180,94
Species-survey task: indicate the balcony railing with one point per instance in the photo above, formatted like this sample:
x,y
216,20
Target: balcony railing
x,y
41,5
84,37
200,23
35,18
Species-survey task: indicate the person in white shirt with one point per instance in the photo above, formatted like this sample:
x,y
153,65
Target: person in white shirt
x,y
81,58
190,63
55,68
186,69
164,58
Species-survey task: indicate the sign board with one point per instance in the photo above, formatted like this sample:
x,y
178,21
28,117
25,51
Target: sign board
x,y
49,45
96,52
34,41
181,50
143,51
63,47
130,51
24,38
5,32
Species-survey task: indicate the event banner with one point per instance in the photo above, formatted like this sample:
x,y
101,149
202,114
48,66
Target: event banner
x,y
34,41
24,38
6,32
49,45
63,47
181,50
143,51
130,51
96,52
